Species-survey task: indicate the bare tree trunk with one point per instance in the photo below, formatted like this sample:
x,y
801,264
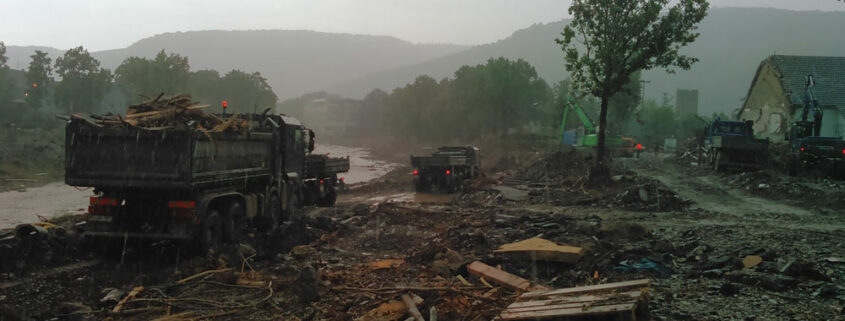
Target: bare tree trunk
x,y
602,130
600,172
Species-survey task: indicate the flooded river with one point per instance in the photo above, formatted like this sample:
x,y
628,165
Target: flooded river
x,y
57,199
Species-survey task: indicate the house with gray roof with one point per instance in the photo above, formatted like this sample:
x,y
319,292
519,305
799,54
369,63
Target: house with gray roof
x,y
776,96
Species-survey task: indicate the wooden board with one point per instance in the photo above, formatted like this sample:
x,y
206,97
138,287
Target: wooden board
x,y
542,250
584,289
620,300
506,279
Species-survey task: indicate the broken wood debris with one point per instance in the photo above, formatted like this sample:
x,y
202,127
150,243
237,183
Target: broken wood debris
x,y
506,279
621,299
542,250
171,112
412,307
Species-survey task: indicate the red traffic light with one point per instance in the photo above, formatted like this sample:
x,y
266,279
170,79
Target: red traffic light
x,y
225,104
34,85
416,172
448,172
639,146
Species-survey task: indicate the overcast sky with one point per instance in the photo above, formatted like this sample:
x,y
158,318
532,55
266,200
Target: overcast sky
x,y
108,24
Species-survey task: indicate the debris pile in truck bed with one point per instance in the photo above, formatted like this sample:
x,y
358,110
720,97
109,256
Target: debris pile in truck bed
x,y
177,111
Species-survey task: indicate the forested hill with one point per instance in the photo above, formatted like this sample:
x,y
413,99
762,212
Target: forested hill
x,y
294,61
732,44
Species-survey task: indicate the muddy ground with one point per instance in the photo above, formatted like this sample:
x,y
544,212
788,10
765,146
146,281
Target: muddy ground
x,y
353,261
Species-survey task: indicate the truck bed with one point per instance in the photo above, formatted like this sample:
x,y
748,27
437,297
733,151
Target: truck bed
x,y
439,161
743,143
324,166
134,157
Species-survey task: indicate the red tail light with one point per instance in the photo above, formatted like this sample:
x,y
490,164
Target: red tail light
x,y
321,182
416,172
182,204
448,172
843,152
341,179
102,201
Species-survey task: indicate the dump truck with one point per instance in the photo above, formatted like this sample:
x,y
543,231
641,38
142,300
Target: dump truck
x,y
732,144
446,169
321,180
202,179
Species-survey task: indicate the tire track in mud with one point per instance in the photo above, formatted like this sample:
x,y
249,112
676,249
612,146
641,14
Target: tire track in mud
x,y
734,204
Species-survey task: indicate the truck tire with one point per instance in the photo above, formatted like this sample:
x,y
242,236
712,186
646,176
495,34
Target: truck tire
x,y
211,231
420,185
328,200
269,222
716,159
233,222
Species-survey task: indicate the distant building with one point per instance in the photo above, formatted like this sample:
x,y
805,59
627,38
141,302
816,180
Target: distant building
x,y
332,116
686,102
776,96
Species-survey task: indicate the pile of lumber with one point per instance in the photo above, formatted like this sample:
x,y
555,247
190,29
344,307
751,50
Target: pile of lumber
x,y
177,111
613,301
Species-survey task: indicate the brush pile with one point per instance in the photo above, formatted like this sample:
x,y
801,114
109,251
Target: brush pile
x,y
171,112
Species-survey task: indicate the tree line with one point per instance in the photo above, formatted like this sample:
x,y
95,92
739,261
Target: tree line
x,y
75,82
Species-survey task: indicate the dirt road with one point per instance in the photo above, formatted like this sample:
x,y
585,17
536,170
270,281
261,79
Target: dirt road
x,y
383,236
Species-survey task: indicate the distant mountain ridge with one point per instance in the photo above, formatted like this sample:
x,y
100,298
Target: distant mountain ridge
x,y
733,42
294,61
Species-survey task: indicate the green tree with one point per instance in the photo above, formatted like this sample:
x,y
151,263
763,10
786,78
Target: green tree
x,y
206,86
165,73
659,121
247,92
83,83
609,40
373,107
39,79
5,85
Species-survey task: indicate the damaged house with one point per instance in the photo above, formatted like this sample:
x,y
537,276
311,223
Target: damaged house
x,y
776,96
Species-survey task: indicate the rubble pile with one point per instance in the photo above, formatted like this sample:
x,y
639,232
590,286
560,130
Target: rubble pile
x,y
650,195
693,156
556,166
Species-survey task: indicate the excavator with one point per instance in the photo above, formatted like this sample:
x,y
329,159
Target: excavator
x,y
616,144
807,148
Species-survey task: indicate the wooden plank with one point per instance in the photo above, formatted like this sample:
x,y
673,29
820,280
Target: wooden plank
x,y
572,312
542,250
412,308
153,113
556,307
634,295
583,289
506,279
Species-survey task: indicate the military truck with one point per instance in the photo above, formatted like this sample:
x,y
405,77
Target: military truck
x,y
321,181
732,144
446,169
188,181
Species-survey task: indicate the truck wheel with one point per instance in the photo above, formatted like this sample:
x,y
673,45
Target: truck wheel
x,y
269,222
716,159
420,185
233,222
211,231
328,200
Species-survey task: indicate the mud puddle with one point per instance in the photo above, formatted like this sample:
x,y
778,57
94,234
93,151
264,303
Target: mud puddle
x,y
54,199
